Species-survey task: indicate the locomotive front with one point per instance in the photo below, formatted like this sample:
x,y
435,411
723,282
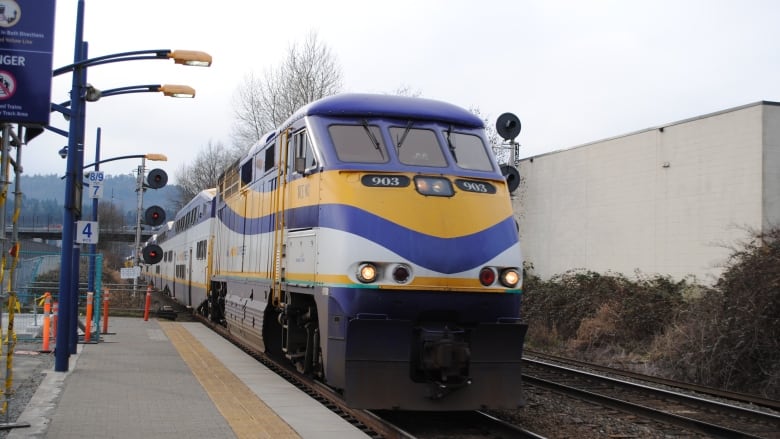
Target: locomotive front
x,y
419,263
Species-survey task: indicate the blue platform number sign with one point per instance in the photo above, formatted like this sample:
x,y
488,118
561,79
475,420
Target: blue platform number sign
x,y
87,232
96,184
26,46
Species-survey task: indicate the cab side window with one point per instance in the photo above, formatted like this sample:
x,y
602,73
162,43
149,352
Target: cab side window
x,y
304,160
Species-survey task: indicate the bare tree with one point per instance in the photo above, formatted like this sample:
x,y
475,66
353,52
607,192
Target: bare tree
x,y
203,172
111,218
309,72
406,90
252,118
499,148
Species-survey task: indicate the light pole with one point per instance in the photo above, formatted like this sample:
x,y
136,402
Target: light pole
x,y
81,93
170,90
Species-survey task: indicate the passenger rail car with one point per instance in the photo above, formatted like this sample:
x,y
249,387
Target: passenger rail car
x,y
370,240
184,272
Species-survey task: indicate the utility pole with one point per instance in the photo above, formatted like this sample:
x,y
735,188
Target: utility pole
x,y
139,212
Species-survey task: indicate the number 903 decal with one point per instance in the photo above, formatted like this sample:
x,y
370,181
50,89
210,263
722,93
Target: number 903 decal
x,y
475,186
385,180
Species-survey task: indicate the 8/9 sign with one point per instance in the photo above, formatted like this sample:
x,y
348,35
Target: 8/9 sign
x,y
96,184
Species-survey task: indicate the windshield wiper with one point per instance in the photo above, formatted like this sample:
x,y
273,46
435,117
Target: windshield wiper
x,y
372,138
451,145
403,136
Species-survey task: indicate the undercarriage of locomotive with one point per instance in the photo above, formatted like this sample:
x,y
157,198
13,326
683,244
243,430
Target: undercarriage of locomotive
x,y
441,359
300,337
213,307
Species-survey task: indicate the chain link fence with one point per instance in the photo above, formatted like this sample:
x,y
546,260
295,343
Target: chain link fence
x,y
37,273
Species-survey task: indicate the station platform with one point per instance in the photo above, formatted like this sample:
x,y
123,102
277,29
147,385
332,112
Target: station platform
x,y
167,379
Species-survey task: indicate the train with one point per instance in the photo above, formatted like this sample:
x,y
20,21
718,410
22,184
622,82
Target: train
x,y
370,241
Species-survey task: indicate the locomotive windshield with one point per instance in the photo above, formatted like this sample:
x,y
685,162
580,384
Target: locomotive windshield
x,y
468,151
358,143
419,147
414,146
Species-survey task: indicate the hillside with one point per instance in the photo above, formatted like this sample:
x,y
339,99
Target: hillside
x,y
44,197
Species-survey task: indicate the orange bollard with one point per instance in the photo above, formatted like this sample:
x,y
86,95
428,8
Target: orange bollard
x,y
46,322
88,322
54,311
105,312
148,303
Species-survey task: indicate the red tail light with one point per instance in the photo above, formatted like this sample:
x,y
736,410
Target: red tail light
x,y
487,276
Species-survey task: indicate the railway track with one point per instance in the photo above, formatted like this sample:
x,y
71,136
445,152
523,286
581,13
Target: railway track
x,y
370,424
454,425
389,424
690,413
720,393
687,413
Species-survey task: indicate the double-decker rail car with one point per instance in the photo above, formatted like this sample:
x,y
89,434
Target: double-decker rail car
x,y
184,270
157,274
370,240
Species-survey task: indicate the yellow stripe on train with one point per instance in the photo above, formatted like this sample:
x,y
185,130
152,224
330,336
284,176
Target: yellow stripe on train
x,y
416,212
426,283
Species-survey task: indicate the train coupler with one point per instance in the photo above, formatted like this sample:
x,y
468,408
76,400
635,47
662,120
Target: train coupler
x,y
444,361
438,390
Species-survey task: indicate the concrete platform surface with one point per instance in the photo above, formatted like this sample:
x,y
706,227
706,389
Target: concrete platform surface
x,y
161,379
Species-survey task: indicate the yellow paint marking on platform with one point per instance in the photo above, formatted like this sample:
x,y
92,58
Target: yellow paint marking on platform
x,y
247,415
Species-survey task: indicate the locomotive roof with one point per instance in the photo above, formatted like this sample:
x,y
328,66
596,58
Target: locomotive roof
x,y
374,105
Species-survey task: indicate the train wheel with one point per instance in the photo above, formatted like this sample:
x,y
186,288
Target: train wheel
x,y
272,331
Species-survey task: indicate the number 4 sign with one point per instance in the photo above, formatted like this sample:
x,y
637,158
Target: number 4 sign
x,y
87,232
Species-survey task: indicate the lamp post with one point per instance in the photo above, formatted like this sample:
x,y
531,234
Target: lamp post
x,y
171,90
81,93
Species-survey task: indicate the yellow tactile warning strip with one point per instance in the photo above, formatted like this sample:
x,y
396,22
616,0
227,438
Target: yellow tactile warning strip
x,y
247,415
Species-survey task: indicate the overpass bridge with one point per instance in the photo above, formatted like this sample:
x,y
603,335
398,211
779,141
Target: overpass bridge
x,y
48,233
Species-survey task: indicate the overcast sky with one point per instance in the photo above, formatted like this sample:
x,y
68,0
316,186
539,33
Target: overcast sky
x,y
574,71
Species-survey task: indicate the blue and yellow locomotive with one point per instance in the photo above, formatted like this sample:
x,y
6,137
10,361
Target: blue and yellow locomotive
x,y
371,241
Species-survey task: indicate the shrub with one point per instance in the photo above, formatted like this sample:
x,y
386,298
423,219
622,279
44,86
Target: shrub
x,y
726,336
590,310
730,337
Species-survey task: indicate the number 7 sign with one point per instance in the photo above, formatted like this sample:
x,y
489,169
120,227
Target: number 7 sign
x,y
96,191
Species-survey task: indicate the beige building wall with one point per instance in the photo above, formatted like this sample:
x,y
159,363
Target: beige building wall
x,y
667,200
771,166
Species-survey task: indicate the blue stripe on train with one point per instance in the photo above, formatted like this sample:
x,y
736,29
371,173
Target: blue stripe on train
x,y
443,255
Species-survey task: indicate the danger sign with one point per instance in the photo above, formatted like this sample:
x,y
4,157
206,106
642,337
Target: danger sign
x,y
7,85
26,45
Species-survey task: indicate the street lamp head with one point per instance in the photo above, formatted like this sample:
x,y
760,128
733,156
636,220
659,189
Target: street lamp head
x,y
191,58
177,91
156,157
92,94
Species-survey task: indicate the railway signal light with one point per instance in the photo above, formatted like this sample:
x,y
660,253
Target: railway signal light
x,y
152,254
156,179
154,216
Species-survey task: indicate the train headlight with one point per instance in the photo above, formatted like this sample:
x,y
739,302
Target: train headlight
x,y
510,278
367,272
435,186
401,273
487,276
